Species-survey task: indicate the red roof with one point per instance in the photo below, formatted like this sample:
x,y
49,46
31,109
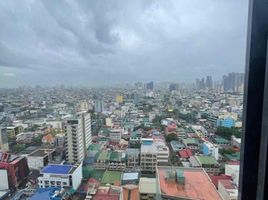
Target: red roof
x,y
233,163
186,153
105,197
227,184
215,179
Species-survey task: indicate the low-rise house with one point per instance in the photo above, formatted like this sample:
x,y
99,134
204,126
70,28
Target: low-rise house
x,y
228,190
48,139
60,176
191,143
40,158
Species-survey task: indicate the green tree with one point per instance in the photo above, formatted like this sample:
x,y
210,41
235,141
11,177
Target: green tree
x,y
18,148
226,151
37,140
228,132
171,136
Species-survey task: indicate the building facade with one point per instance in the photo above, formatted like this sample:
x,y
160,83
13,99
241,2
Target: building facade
x,y
60,176
4,139
77,137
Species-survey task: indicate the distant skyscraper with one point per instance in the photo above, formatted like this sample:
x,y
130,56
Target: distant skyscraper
x,y
209,83
136,98
77,137
173,86
98,106
198,84
233,82
4,139
150,86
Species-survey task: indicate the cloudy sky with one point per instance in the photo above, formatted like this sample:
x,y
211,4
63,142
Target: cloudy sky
x,y
102,42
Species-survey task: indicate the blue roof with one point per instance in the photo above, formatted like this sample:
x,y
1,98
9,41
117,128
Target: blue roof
x,y
57,169
45,193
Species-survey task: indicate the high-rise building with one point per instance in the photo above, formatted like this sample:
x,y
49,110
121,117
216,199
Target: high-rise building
x,y
4,139
209,82
203,83
198,84
77,137
98,106
150,85
233,82
173,86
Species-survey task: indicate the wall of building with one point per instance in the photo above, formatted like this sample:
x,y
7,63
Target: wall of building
x,y
35,162
3,179
77,176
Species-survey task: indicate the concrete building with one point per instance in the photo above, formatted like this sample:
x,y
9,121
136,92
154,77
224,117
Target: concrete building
x,y
200,130
162,153
191,143
60,176
227,122
4,180
14,130
227,190
184,183
59,140
209,163
236,142
119,99
133,158
109,122
99,106
130,178
147,187
16,167
57,124
135,139
4,139
77,137
211,149
148,155
233,171
40,158
115,135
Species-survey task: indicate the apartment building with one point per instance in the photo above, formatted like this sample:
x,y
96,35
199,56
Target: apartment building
x,y
162,153
77,137
133,158
148,155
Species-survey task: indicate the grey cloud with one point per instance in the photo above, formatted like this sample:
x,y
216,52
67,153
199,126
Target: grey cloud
x,y
98,42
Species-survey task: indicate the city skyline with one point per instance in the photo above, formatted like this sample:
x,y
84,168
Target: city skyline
x,y
101,43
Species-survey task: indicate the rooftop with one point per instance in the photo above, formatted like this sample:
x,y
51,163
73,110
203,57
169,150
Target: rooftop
x,y
147,185
104,155
115,156
148,148
227,183
132,152
41,152
57,169
197,185
190,141
131,192
130,176
111,177
220,140
207,160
